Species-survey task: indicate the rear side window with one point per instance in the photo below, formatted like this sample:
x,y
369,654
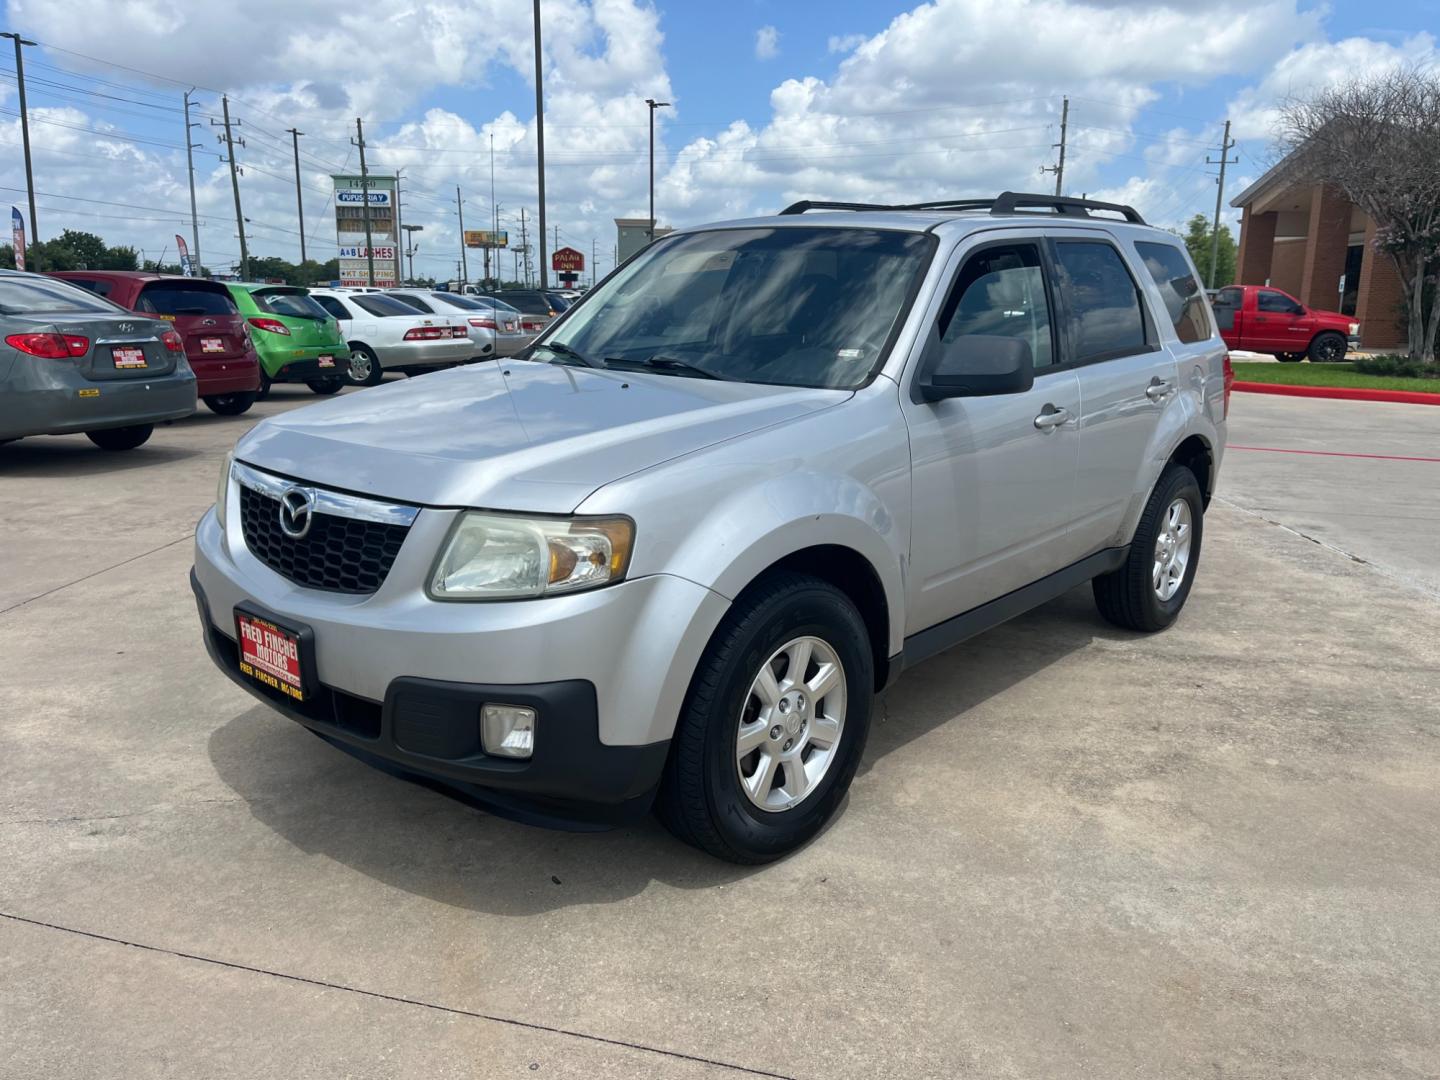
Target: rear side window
x,y
332,306
179,298
1184,299
95,285
38,295
296,305
1104,302
383,306
414,302
1000,291
529,303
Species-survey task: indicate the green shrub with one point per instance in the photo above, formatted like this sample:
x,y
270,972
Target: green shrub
x,y
1392,364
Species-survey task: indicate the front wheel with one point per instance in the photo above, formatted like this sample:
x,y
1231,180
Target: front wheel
x,y
230,404
1328,348
774,724
1151,586
364,367
121,438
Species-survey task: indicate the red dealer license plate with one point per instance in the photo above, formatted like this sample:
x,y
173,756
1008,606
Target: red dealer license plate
x,y
212,344
127,357
270,655
327,361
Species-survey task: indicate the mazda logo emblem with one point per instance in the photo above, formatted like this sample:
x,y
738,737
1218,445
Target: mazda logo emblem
x,y
297,507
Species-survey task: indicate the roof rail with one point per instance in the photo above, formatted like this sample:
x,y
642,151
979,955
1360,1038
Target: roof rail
x,y
1006,203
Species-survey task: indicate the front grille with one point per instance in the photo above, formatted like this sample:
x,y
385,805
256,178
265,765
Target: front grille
x,y
338,554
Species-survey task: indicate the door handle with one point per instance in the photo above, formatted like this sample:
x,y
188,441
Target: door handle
x,y
1158,390
1050,417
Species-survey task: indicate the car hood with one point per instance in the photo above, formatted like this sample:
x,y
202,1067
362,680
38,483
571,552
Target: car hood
x,y
522,436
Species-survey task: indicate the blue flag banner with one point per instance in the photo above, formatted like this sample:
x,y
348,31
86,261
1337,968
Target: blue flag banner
x,y
17,237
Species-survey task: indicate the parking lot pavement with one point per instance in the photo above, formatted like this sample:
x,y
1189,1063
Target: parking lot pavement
x,y
1070,851
1360,476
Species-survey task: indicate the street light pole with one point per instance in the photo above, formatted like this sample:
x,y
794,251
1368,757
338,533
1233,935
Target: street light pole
x,y
410,231
650,233
464,260
25,129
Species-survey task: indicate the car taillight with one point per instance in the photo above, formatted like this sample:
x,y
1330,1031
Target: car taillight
x,y
50,346
483,324
1229,383
459,331
427,333
173,341
275,326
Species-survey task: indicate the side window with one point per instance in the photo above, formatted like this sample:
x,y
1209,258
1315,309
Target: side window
x,y
332,306
1104,301
101,288
1277,303
1001,291
1184,299
1227,302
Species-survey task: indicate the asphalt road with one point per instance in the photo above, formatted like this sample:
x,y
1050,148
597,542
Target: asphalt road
x,y
1070,852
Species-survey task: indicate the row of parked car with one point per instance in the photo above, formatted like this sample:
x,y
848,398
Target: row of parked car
x,y
124,332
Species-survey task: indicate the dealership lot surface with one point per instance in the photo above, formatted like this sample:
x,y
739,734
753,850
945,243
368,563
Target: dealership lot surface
x,y
1070,851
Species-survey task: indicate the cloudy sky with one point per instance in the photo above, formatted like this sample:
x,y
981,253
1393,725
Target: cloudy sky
x,y
773,100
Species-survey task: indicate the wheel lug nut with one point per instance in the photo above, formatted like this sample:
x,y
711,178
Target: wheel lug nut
x,y
776,731
788,743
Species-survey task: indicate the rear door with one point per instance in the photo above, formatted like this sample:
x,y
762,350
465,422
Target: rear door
x,y
992,478
1126,374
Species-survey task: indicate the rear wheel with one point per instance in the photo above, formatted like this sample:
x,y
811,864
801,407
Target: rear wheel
x,y
1328,348
1151,587
121,438
329,385
364,367
774,725
231,404
265,384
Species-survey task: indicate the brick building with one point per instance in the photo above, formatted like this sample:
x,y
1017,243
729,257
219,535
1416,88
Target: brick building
x,y
1312,242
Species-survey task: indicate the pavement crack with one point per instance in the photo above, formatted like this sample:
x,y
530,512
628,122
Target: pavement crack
x,y
397,999
95,574
147,812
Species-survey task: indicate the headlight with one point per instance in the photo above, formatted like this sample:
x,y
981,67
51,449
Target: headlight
x,y
500,557
222,490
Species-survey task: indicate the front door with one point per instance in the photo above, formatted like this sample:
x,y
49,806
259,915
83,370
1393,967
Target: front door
x,y
992,477
1280,322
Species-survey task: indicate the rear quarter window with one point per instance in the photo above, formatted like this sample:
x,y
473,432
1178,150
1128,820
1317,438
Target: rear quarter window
x,y
1179,288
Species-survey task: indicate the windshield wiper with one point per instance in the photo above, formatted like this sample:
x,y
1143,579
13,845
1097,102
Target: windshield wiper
x,y
669,363
559,348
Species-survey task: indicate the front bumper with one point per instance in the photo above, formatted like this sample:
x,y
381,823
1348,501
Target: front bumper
x,y
402,677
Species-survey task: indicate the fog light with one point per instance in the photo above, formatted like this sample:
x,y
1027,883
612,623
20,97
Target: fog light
x,y
508,730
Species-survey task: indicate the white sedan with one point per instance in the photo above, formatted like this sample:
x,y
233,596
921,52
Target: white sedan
x,y
387,335
495,333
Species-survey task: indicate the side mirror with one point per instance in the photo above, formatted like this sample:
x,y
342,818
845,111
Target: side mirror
x,y
980,365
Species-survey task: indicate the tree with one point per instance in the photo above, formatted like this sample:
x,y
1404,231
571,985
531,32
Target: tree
x,y
1199,241
1377,139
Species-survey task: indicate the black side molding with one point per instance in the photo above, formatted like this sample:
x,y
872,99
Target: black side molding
x,y
941,636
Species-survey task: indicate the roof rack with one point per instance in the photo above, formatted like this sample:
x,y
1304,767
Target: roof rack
x,y
1006,203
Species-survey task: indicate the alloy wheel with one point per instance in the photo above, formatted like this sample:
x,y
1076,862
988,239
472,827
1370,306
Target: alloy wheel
x,y
1172,550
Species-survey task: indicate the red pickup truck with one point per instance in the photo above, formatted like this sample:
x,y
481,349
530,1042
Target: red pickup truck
x,y
1257,318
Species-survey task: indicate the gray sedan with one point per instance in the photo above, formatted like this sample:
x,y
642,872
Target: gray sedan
x,y
71,361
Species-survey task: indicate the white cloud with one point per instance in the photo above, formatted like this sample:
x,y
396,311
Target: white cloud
x,y
844,43
767,43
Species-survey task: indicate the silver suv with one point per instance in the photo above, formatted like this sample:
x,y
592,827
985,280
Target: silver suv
x,y
670,555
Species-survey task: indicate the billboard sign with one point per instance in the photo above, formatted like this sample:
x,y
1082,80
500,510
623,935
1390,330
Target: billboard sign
x,y
485,238
362,201
351,252
567,261
357,198
355,272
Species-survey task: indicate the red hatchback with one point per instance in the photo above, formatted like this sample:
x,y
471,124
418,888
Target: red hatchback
x,y
217,344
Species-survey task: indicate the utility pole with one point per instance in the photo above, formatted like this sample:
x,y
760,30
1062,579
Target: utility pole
x,y
25,128
525,247
539,144
464,261
359,141
398,224
593,246
190,166
299,199
1059,167
1225,159
494,217
230,142
650,233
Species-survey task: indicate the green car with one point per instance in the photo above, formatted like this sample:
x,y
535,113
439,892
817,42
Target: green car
x,y
297,340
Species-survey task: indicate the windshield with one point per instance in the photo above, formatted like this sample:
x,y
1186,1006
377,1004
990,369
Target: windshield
x,y
791,306
297,305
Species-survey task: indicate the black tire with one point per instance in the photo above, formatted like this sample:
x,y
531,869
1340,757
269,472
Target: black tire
x,y
330,385
1127,597
700,798
1289,357
230,404
265,384
365,369
1328,348
121,438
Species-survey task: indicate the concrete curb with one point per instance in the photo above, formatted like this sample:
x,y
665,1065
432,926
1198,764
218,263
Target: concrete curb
x,y
1344,393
